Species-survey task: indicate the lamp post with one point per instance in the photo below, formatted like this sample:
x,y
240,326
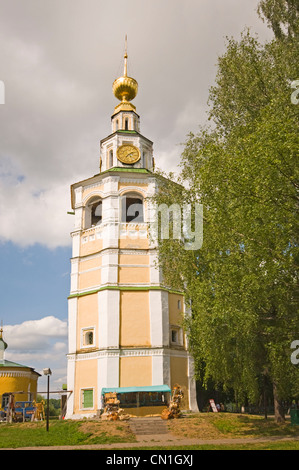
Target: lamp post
x,y
48,372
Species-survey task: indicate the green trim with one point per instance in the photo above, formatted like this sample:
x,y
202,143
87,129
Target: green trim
x,y
129,170
125,288
12,364
124,131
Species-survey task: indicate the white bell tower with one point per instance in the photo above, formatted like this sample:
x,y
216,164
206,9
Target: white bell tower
x,y
125,330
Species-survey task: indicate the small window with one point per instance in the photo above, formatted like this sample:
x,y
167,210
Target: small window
x,y
5,400
174,336
126,124
87,398
179,304
88,337
110,158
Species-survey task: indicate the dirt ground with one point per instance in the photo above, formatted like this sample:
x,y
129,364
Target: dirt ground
x,y
119,429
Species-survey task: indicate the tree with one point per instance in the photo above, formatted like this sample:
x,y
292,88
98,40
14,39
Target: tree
x,y
281,16
242,283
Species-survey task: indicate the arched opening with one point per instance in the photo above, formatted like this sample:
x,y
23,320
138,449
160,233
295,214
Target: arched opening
x,y
132,208
110,158
93,212
96,213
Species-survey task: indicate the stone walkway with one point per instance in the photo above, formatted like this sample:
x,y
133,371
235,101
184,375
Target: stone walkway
x,y
163,440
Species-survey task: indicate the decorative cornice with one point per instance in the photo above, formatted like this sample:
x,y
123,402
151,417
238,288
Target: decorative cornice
x,y
133,352
18,373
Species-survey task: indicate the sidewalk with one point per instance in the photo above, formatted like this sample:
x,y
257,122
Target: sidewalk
x,y
162,441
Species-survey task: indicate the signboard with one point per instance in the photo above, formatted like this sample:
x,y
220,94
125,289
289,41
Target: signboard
x,y
213,406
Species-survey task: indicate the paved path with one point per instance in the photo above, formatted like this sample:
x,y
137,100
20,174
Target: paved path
x,y
155,441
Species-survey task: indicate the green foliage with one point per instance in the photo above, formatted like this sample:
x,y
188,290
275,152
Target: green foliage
x,y
243,281
54,405
281,16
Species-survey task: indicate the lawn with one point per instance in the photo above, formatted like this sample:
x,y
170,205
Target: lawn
x,y
203,426
229,425
64,433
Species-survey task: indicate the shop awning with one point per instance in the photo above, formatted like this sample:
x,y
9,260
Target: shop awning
x,y
148,388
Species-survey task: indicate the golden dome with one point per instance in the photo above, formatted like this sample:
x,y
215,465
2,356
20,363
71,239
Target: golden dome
x,y
125,88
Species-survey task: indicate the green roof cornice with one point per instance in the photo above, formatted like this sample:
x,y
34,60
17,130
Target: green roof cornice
x,y
126,288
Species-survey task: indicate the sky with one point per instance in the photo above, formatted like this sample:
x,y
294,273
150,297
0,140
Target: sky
x,y
58,60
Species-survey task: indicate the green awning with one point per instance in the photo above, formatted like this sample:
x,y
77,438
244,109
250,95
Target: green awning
x,y
148,388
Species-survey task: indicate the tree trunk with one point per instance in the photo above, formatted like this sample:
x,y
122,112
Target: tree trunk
x,y
265,398
278,409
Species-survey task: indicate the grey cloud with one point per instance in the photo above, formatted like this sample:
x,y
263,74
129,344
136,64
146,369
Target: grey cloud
x,y
58,61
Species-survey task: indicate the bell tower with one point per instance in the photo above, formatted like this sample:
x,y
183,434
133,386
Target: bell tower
x,y
124,327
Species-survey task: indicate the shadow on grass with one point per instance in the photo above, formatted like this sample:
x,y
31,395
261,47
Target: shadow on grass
x,y
254,426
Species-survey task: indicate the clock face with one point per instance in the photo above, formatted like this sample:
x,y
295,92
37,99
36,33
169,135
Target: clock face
x,y
128,154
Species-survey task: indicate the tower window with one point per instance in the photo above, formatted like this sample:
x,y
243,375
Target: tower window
x,y
126,124
174,336
96,213
87,337
132,209
110,158
93,213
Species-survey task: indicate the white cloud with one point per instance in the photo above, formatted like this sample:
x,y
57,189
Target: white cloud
x,y
30,334
39,344
32,215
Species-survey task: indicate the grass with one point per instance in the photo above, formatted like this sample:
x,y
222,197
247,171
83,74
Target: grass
x,y
229,425
201,426
63,433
